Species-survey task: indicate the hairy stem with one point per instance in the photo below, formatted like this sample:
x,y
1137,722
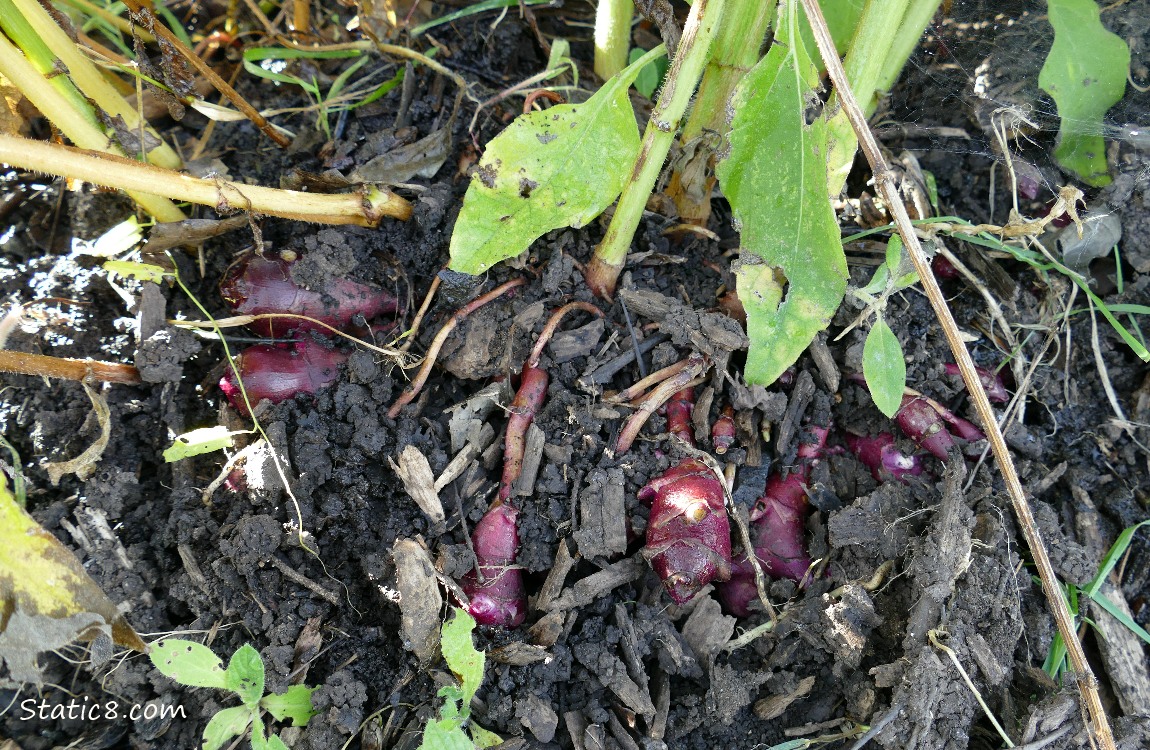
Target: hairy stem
x,y
602,271
612,36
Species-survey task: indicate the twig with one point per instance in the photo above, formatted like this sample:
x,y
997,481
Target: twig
x,y
886,183
418,320
294,575
69,369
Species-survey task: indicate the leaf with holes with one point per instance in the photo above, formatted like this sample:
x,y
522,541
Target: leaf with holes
x,y
188,663
556,168
245,674
793,272
461,655
226,724
1085,73
294,704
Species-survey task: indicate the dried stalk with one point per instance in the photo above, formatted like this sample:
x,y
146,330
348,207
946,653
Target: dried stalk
x,y
886,182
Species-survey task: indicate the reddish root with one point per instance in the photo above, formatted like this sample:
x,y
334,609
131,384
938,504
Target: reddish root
x,y
685,378
452,323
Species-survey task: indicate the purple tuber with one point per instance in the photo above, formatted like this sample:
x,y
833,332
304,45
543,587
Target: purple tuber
x,y
925,421
723,431
688,533
495,587
991,382
883,458
258,285
777,529
278,372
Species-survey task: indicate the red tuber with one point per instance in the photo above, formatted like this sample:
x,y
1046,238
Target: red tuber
x,y
777,530
495,588
723,431
279,371
688,533
991,382
925,421
884,460
259,285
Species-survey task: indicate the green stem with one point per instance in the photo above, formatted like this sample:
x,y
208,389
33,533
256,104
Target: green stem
x,y
914,23
83,73
73,123
867,58
362,209
612,36
602,271
735,51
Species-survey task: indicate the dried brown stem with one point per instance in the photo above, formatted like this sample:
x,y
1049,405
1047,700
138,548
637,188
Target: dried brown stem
x,y
636,390
886,183
658,396
420,379
144,16
418,321
69,369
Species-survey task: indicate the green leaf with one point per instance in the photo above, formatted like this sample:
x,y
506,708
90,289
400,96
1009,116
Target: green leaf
x,y
1115,553
482,737
776,180
226,724
295,704
1104,601
445,735
245,674
143,271
275,743
188,663
650,75
460,654
555,168
1085,73
203,440
884,368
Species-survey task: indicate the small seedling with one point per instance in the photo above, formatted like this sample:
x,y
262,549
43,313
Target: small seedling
x,y
466,663
195,665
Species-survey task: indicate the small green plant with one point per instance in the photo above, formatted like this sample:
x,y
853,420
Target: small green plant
x,y
454,730
195,665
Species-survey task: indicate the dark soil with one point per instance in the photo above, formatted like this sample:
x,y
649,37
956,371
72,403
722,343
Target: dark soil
x,y
620,667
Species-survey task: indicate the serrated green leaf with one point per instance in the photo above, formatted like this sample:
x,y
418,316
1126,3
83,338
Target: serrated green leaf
x,y
481,737
1085,73
555,168
245,674
460,654
226,724
884,367
775,178
294,704
445,735
203,440
142,271
188,663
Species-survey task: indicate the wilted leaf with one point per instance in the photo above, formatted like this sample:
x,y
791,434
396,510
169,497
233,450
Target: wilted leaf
x,y
189,663
1085,73
483,737
776,181
44,586
203,440
884,367
84,465
555,168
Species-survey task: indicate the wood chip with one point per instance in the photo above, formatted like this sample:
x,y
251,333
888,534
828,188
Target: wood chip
x,y
596,585
707,630
555,577
773,707
602,515
537,716
419,599
414,471
524,485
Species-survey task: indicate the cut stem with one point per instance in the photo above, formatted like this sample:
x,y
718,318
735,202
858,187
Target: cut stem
x,y
602,271
363,209
887,184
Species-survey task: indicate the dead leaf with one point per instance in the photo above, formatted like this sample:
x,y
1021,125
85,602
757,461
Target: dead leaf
x,y
84,465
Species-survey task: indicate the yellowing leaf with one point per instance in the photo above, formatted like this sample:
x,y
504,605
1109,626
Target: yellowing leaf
x,y
556,168
776,180
189,663
1085,73
203,440
42,583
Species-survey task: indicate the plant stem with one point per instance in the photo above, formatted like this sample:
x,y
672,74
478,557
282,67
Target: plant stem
x,y
68,369
734,52
74,124
867,57
612,36
886,182
914,23
85,75
365,210
602,271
